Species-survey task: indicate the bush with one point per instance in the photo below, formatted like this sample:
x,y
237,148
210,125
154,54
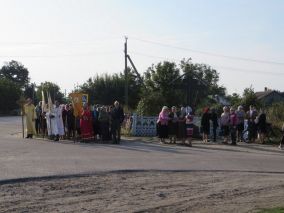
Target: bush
x,y
150,105
275,116
9,94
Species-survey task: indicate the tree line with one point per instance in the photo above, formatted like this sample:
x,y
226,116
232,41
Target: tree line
x,y
165,83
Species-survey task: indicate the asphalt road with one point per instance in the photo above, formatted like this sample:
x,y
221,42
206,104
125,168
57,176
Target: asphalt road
x,y
21,158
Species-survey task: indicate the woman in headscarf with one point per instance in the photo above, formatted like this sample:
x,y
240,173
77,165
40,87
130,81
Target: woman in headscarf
x,y
189,127
86,124
163,124
233,126
104,120
173,125
181,125
205,124
225,123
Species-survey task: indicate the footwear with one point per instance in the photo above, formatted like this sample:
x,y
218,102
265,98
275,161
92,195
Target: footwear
x,y
56,138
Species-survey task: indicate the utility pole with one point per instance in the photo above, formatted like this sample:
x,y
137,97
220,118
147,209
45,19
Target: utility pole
x,y
126,75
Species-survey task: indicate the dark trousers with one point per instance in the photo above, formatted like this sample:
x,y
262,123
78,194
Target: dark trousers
x,y
115,130
38,126
214,133
233,132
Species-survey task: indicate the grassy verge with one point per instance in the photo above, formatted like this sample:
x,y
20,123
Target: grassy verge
x,y
273,210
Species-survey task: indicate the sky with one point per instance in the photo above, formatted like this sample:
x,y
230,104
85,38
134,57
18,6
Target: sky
x,y
69,41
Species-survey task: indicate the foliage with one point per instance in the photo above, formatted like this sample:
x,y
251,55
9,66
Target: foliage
x,y
16,72
158,80
105,89
272,210
235,99
249,98
151,104
275,114
30,92
53,89
9,94
172,85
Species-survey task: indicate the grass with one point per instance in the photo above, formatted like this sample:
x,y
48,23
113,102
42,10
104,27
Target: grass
x,y
273,210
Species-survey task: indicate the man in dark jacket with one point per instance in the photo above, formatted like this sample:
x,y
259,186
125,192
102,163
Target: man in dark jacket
x,y
117,117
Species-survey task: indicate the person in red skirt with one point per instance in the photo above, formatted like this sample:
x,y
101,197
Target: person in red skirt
x,y
86,124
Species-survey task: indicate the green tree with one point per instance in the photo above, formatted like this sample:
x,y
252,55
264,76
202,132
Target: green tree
x,y
16,72
10,92
105,89
201,81
161,81
30,92
249,98
53,89
235,99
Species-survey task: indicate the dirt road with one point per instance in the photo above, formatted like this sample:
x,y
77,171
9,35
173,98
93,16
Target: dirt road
x,y
151,191
155,177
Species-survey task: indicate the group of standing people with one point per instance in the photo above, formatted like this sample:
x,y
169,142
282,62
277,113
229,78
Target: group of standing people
x,y
232,124
59,122
175,124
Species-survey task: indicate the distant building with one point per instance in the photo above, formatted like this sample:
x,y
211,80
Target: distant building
x,y
268,96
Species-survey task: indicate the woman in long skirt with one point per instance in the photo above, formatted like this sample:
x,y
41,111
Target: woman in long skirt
x,y
86,124
189,127
173,125
181,125
163,124
205,124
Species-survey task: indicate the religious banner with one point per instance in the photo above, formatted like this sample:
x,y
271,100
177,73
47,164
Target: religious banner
x,y
85,98
77,102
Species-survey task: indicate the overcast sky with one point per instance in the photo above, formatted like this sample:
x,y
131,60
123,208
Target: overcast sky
x,y
68,41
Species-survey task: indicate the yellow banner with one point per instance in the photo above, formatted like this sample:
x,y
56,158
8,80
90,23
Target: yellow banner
x,y
77,103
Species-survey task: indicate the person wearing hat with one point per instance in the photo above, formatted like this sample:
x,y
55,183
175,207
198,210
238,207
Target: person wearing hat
x,y
163,124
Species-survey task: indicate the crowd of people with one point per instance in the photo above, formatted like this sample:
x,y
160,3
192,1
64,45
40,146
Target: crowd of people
x,y
174,124
59,122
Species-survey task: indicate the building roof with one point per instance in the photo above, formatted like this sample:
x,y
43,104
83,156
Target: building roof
x,y
263,94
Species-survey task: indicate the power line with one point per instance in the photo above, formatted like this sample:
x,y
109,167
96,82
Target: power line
x,y
57,42
209,53
221,67
58,56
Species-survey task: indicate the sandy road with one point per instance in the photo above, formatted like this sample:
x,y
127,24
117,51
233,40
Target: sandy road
x,y
212,178
152,191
